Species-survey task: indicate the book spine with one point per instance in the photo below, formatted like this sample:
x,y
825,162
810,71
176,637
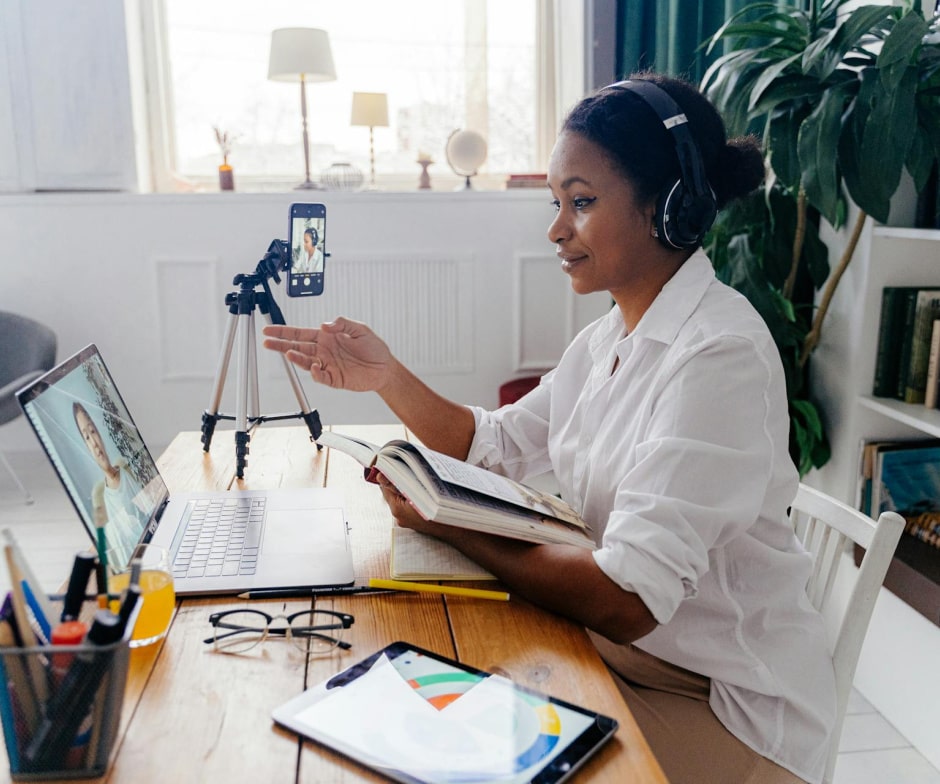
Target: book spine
x,y
886,358
928,308
905,341
933,367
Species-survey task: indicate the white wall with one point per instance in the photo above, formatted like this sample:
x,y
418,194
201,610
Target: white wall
x,y
465,286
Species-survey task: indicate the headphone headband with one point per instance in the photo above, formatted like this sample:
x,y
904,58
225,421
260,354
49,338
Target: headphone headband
x,y
686,209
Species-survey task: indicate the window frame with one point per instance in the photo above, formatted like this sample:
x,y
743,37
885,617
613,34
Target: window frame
x,y
565,57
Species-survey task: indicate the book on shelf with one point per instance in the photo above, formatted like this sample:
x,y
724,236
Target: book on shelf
x,y
897,308
926,311
905,331
903,476
933,367
416,556
452,492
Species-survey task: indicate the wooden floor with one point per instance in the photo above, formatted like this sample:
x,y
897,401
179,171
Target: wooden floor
x,y
48,530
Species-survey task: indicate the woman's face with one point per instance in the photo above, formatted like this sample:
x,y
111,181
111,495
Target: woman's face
x,y
308,244
93,440
602,236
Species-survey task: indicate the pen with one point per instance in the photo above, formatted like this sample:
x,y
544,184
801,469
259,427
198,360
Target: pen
x,y
450,590
102,569
303,593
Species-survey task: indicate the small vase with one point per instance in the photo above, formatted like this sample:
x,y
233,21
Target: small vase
x,y
226,178
342,177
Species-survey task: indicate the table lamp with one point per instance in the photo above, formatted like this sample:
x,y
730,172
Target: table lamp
x,y
370,109
301,54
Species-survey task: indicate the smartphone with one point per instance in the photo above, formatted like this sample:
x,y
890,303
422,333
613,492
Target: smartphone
x,y
307,243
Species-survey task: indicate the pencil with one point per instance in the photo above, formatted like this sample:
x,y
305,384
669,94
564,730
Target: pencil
x,y
450,590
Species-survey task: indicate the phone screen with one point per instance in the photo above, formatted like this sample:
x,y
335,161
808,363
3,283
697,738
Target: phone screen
x,y
307,240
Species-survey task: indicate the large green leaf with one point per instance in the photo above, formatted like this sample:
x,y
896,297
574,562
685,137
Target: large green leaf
x,y
886,140
818,138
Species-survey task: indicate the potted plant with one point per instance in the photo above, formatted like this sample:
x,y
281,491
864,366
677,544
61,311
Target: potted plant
x,y
226,175
846,98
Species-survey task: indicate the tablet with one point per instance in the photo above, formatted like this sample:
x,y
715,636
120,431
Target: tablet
x,y
420,718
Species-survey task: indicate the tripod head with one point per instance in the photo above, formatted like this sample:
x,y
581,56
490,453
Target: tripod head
x,y
276,259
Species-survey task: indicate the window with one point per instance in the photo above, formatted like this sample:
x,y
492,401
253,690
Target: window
x,y
444,65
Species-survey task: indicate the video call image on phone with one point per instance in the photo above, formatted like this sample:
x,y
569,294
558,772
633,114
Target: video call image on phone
x,y
308,249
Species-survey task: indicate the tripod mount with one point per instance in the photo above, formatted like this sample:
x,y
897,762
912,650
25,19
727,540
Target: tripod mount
x,y
241,306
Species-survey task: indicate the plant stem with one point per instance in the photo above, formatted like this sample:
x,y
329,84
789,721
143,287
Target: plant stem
x,y
812,337
798,238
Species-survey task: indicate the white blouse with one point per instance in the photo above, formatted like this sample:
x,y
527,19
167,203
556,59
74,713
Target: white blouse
x,y
679,461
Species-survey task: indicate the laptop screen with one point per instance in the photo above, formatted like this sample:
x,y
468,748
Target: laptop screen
x,y
94,445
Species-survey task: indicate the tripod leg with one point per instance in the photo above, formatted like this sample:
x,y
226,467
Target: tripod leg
x,y
310,416
241,395
254,397
210,415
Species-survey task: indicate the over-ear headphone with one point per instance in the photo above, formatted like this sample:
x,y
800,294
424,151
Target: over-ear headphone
x,y
686,209
314,235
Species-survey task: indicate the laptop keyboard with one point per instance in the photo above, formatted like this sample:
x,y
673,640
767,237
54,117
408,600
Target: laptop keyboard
x,y
222,538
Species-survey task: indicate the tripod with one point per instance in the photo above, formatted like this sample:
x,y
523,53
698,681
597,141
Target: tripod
x,y
241,328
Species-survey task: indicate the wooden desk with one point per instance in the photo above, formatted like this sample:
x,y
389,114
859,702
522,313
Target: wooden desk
x,y
194,715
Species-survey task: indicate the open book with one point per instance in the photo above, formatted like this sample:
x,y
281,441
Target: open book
x,y
453,492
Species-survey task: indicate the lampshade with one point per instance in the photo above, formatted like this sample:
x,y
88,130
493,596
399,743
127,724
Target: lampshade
x,y
370,109
297,51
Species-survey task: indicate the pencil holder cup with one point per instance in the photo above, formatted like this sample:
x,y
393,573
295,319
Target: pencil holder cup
x,y
60,707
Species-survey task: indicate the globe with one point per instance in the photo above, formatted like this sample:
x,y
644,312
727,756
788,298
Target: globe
x,y
465,152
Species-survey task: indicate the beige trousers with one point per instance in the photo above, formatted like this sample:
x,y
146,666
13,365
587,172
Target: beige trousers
x,y
671,706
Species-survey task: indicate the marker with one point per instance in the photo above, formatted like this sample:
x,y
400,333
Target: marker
x,y
306,593
449,590
82,567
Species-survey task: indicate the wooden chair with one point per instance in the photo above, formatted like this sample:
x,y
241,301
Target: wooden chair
x,y
828,529
27,350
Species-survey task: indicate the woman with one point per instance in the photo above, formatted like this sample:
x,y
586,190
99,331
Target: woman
x,y
114,498
665,424
311,260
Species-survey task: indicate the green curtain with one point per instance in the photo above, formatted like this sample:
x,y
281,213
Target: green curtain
x,y
665,35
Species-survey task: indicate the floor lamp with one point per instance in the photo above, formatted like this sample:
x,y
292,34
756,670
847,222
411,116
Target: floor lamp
x,y
370,109
301,54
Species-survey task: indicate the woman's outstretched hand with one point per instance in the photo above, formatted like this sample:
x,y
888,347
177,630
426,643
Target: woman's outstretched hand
x,y
343,354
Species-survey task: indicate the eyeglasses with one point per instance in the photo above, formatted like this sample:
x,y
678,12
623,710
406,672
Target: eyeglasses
x,y
315,632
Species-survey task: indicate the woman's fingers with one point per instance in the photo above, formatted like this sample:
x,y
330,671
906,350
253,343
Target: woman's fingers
x,y
287,332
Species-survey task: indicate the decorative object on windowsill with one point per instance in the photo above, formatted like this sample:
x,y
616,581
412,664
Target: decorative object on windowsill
x,y
465,152
371,110
424,181
226,175
301,54
342,177
534,180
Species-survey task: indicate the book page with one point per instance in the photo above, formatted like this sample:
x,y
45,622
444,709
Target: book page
x,y
361,451
480,479
416,556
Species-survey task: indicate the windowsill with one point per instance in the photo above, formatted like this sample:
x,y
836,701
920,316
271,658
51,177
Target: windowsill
x,y
10,199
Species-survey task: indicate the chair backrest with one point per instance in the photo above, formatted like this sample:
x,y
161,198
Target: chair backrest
x,y
27,350
845,596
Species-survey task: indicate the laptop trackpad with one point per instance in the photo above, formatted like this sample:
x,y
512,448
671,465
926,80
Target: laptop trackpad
x,y
311,543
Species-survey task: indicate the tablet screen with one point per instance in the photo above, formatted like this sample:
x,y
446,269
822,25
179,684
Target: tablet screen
x,y
417,717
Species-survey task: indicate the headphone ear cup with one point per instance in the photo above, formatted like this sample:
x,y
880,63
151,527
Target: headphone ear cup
x,y
682,218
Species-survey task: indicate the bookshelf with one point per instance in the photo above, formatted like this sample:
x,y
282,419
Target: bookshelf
x,y
842,368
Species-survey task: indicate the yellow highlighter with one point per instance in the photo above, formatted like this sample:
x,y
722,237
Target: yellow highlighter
x,y
449,590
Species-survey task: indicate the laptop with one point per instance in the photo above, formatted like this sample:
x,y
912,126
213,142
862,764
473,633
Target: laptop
x,y
219,541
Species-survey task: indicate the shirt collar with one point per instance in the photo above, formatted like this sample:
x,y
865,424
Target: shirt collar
x,y
672,307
